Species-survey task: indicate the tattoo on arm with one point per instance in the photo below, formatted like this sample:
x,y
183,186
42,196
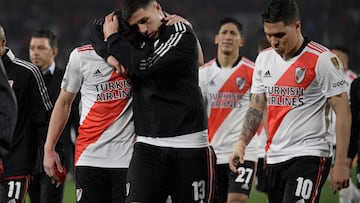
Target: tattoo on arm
x,y
251,123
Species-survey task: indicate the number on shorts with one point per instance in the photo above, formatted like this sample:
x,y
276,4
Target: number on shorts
x,y
303,188
14,189
245,175
199,190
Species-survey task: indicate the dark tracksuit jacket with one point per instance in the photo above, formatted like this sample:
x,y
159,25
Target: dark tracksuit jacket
x,y
167,98
34,106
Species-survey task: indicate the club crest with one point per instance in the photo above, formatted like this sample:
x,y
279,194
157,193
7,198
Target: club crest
x,y
299,74
240,82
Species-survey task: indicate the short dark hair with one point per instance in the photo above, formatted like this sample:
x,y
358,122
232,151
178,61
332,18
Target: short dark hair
x,y
231,20
129,7
46,34
286,11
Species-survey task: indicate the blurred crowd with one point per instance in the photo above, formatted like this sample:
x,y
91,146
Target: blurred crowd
x,y
329,22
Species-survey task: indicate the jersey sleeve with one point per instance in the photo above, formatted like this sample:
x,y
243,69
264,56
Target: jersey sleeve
x,y
258,86
72,78
39,102
330,75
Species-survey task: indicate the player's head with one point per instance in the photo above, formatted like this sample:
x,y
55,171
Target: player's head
x,y
2,41
282,26
343,54
230,36
146,16
43,48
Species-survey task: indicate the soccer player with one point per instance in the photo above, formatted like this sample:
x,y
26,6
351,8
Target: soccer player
x,y
170,120
345,195
104,144
42,51
225,84
296,78
34,108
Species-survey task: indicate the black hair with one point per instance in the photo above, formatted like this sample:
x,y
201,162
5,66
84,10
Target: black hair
x,y
46,34
231,20
285,11
129,7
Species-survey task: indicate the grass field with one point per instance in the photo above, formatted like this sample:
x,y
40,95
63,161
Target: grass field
x,y
255,197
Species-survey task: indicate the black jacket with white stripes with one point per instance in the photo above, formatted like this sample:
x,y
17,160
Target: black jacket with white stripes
x,y
167,98
34,106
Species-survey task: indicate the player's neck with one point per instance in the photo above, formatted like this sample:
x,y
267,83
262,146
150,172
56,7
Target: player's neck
x,y
227,60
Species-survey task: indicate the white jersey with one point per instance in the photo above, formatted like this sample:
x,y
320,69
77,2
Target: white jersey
x,y
106,132
226,92
296,92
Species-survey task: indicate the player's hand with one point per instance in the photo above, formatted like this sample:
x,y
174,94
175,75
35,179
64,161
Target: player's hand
x,y
237,155
52,164
120,69
173,18
340,176
111,25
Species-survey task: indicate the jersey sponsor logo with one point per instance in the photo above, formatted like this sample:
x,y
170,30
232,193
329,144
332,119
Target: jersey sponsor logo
x,y
339,83
299,74
113,90
267,74
240,82
335,62
285,95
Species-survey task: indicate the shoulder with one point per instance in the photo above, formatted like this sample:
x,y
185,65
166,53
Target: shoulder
x,y
85,52
26,67
208,64
247,62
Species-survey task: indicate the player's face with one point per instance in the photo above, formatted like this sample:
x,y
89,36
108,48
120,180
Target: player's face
x,y
41,53
148,20
229,39
283,38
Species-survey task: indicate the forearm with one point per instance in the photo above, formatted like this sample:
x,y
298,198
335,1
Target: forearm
x,y
58,121
340,105
253,117
343,124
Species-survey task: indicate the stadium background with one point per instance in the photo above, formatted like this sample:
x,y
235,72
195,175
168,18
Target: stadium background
x,y
330,22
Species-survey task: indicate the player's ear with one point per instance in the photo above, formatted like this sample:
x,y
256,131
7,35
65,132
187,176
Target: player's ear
x,y
216,39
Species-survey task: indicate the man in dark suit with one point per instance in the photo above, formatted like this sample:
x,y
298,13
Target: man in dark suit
x,y
43,50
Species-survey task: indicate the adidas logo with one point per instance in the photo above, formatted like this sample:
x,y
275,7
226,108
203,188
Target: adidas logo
x,y
267,74
212,83
97,73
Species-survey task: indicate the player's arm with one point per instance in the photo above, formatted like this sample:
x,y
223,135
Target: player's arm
x,y
252,120
59,117
340,104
